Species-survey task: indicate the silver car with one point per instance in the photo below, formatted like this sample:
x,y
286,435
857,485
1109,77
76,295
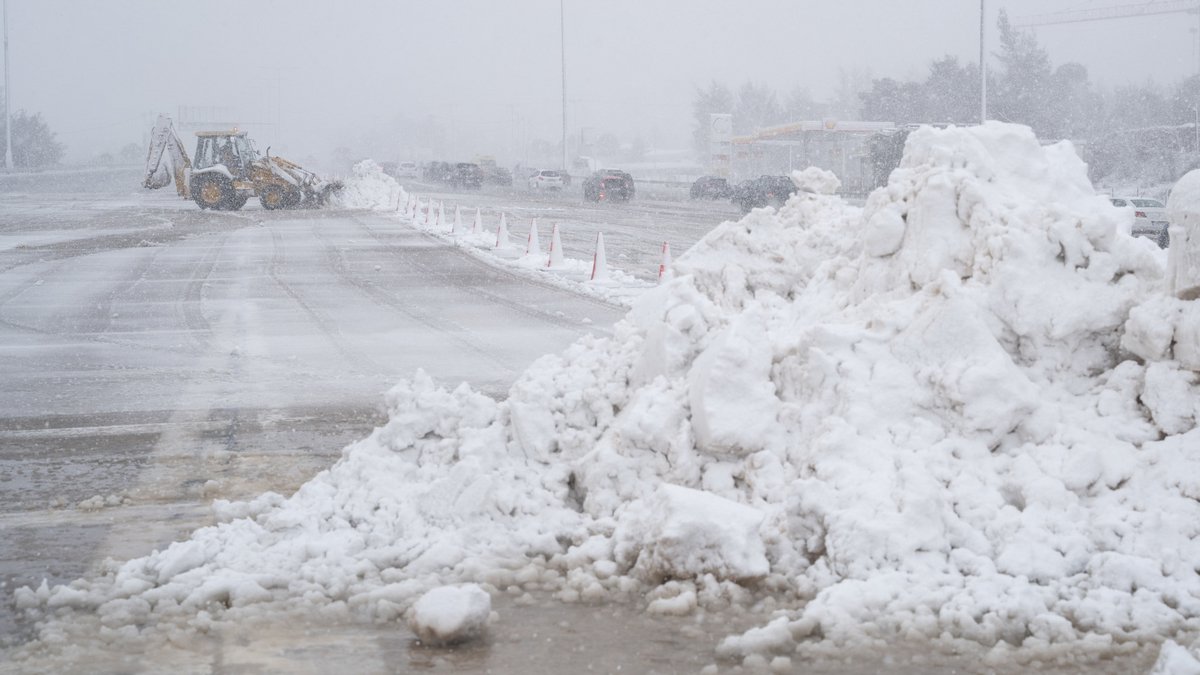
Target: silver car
x,y
1149,218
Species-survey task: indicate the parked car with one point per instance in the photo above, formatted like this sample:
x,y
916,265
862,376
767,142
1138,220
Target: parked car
x,y
615,185
438,172
762,191
494,174
711,187
467,175
1149,218
498,176
546,179
407,170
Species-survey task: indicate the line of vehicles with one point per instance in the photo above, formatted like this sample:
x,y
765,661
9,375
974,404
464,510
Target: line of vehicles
x,y
605,185
748,194
613,185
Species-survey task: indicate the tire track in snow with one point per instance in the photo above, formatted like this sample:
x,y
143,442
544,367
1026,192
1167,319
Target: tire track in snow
x,y
358,360
189,307
378,295
416,261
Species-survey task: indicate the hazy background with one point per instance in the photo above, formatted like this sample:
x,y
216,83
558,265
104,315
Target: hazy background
x,y
460,77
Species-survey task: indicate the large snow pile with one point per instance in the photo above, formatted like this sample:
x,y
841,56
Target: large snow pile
x,y
369,188
914,419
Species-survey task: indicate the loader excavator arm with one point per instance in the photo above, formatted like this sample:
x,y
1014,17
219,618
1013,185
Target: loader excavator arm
x,y
165,143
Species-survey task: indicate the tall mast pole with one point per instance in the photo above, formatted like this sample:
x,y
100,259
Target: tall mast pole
x,y
982,65
8,163
562,35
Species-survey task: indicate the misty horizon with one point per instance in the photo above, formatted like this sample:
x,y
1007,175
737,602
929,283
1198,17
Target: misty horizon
x,y
420,81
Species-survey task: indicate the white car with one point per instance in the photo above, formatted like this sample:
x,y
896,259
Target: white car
x,y
1149,218
546,180
408,170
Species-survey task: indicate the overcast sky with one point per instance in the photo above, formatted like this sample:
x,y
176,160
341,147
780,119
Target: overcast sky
x,y
330,73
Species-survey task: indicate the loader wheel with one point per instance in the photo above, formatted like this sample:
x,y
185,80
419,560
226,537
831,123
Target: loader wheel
x,y
273,197
238,202
213,192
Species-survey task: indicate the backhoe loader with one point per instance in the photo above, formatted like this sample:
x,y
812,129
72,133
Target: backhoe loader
x,y
227,171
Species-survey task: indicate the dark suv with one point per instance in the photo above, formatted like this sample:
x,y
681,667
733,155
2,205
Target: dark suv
x,y
466,175
612,185
437,172
711,187
763,191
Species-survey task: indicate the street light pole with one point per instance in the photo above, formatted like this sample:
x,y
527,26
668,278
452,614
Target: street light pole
x,y
7,97
562,36
982,65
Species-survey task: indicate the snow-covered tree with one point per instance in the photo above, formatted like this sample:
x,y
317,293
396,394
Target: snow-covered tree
x,y
1025,83
800,105
757,106
952,92
34,146
713,99
892,101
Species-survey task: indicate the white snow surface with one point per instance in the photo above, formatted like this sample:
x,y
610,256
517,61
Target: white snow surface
x,y
369,188
1175,659
913,419
1183,210
450,614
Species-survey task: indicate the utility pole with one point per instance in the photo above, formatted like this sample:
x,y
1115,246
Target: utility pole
x,y
7,97
562,36
982,64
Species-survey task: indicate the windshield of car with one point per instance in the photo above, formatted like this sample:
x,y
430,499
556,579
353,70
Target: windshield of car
x,y
1148,203
551,174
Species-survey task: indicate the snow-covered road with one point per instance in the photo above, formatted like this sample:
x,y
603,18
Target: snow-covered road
x,y
161,357
155,357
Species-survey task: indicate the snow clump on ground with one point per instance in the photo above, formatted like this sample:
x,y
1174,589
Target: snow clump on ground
x,y
912,420
369,187
449,615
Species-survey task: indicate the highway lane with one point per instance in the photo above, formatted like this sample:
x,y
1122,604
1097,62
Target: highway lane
x,y
156,357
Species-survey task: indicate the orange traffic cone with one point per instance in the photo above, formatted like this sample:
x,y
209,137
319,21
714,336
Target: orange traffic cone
x,y
664,267
532,245
502,233
599,264
556,255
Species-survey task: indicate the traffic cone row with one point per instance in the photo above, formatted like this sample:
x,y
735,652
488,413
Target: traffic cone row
x,y
436,219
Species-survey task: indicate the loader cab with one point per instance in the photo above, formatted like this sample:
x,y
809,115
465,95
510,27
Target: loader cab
x,y
231,149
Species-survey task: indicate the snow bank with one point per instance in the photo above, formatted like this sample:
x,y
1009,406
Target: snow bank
x,y
917,419
1183,210
612,285
369,188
